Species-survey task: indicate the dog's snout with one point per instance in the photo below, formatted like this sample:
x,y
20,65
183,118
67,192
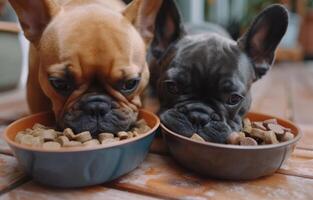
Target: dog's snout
x,y
97,108
198,118
95,98
215,117
96,105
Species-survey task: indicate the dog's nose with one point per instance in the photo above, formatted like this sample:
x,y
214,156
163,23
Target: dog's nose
x,y
96,105
198,118
215,117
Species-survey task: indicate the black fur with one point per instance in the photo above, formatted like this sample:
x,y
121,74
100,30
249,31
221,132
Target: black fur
x,y
197,76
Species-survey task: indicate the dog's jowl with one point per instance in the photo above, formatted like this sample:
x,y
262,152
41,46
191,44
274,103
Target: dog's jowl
x,y
203,81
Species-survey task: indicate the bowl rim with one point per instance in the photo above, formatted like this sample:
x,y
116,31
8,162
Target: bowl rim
x,y
77,149
232,146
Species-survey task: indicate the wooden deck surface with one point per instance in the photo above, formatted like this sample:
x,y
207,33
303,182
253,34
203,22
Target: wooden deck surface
x,y
287,92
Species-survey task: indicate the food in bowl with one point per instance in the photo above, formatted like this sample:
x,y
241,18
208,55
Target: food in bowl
x,y
257,133
48,138
232,162
79,166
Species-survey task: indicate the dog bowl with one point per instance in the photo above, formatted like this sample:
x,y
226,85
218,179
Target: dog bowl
x,y
79,166
231,162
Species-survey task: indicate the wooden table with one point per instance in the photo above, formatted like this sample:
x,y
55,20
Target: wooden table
x,y
287,91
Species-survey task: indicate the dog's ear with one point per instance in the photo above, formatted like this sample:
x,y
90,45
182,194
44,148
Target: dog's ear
x,y
263,36
142,14
168,28
34,16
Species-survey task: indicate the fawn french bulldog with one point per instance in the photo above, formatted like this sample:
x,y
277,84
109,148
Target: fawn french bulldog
x,y
87,60
203,81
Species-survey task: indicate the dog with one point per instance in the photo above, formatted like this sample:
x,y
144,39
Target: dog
x,y
203,81
87,60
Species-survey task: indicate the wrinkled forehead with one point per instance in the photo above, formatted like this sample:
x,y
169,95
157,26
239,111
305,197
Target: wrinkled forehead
x,y
94,40
211,57
208,49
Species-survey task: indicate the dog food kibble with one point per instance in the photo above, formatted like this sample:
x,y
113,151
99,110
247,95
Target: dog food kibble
x,y
122,135
83,137
103,136
69,133
278,129
247,127
72,144
260,133
63,140
47,135
248,141
93,142
47,138
258,125
51,145
197,137
288,136
108,140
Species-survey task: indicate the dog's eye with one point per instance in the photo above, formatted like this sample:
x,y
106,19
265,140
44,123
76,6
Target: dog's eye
x,y
64,87
129,86
171,86
234,99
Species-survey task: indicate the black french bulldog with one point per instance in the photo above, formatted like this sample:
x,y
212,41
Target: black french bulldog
x,y
203,81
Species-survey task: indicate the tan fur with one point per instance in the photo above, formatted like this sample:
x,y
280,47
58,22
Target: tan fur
x,y
97,40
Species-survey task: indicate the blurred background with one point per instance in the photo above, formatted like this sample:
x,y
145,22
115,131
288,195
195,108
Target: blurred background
x,y
199,15
236,15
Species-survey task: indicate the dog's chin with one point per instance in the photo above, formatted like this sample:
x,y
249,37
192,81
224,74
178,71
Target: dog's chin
x,y
114,121
211,131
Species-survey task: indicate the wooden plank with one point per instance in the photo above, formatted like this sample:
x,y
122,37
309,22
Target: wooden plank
x,y
301,80
270,94
13,105
4,147
300,164
306,142
159,175
10,174
34,191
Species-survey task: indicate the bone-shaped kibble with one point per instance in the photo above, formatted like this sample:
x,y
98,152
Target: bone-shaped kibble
x,y
270,121
19,136
27,139
69,133
104,136
51,145
259,125
108,140
48,135
122,135
288,136
62,140
278,129
270,138
247,126
257,133
248,141
92,142
72,144
39,126
197,137
83,136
